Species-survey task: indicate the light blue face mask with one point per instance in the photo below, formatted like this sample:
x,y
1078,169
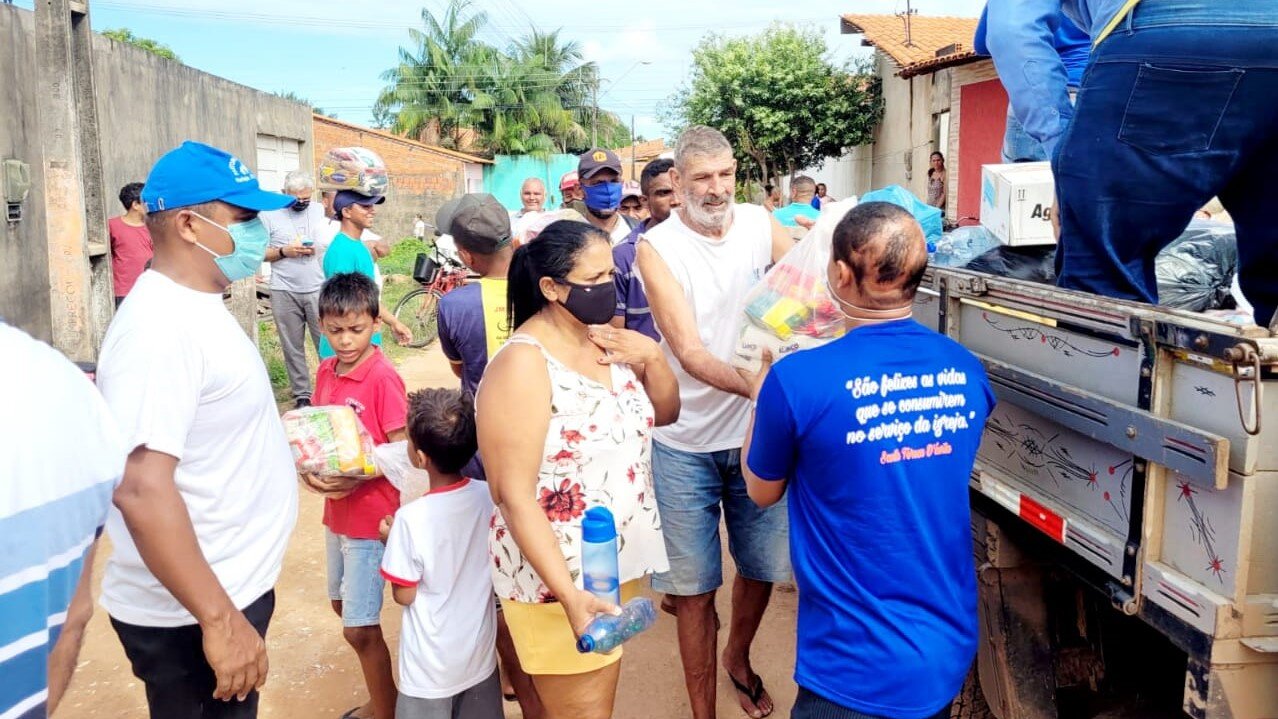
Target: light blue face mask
x,y
250,238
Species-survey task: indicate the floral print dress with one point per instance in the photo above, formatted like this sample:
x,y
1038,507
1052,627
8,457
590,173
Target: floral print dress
x,y
598,452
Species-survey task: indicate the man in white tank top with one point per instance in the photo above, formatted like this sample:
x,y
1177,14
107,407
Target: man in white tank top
x,y
696,268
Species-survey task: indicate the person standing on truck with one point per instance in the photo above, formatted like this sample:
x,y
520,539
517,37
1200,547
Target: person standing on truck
x,y
875,435
1178,105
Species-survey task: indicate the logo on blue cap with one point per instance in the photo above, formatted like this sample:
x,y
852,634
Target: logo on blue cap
x,y
195,173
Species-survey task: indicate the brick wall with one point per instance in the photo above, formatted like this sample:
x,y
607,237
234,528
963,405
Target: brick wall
x,y
422,177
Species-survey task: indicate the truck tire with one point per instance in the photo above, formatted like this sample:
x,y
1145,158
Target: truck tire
x,y
970,703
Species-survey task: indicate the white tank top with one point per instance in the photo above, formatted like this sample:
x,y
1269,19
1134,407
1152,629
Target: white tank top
x,y
715,276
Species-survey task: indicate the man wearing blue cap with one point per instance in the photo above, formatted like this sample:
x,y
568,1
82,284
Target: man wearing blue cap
x,y
209,494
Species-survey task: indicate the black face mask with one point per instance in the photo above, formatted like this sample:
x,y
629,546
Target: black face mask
x,y
299,205
591,304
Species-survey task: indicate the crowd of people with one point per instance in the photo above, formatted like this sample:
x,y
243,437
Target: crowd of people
x,y
608,338
595,365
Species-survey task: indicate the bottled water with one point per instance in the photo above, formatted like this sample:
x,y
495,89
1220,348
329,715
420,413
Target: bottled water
x,y
599,573
607,632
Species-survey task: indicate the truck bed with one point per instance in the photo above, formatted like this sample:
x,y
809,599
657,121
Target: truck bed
x,y
1144,441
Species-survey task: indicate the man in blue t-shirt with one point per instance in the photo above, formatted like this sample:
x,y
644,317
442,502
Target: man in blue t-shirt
x,y
633,312
472,318
876,433
802,192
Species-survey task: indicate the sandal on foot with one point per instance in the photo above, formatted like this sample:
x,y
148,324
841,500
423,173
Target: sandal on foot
x,y
754,692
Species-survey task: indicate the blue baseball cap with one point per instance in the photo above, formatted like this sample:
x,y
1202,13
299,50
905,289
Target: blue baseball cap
x,y
195,173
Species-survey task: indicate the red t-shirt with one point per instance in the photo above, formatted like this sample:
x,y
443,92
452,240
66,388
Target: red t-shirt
x,y
130,250
377,394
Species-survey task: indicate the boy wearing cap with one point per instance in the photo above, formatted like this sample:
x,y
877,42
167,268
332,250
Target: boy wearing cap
x,y
209,495
632,202
600,173
356,212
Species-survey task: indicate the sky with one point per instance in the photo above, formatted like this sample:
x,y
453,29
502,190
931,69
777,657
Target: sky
x,y
333,52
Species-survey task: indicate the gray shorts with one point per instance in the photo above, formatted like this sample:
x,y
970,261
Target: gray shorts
x,y
482,701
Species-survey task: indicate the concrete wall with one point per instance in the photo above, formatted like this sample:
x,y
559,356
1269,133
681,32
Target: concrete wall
x,y
24,264
505,177
421,177
906,136
146,106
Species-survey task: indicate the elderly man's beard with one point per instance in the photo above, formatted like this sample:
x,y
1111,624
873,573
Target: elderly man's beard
x,y
711,210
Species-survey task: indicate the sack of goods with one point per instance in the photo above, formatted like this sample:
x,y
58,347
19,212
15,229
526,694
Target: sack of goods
x,y
330,442
791,308
353,168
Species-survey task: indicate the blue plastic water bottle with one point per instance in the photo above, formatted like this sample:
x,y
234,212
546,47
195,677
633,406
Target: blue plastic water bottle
x,y
607,632
599,573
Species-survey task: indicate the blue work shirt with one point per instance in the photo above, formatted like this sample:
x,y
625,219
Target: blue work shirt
x,y
1022,36
632,301
876,433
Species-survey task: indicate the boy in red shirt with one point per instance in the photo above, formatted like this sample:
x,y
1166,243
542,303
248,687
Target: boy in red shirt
x,y
131,247
360,377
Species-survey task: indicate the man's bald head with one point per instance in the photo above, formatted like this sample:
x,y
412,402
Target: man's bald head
x,y
884,247
532,195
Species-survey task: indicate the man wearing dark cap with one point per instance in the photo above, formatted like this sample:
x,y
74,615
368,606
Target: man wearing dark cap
x,y
356,212
208,499
472,327
600,173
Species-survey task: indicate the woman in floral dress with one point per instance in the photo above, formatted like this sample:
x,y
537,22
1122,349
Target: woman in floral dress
x,y
565,413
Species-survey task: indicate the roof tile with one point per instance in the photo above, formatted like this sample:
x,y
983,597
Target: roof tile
x,y
935,42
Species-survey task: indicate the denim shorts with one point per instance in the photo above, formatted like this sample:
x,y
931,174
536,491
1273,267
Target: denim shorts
x,y
355,577
691,488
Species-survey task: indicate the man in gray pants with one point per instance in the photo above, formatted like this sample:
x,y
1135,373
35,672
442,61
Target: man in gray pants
x,y
296,277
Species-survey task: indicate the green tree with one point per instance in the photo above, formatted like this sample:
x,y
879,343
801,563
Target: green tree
x,y
779,99
453,89
126,35
290,95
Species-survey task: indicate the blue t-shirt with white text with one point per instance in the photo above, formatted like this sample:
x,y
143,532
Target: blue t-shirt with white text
x,y
877,433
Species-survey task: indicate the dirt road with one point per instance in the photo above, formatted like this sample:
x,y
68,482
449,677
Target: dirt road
x,y
315,675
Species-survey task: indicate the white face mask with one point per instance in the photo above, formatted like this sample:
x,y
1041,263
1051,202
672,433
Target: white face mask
x,y
841,303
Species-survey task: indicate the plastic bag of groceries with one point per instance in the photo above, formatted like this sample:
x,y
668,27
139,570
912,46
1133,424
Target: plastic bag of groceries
x,y
330,442
353,168
791,309
1196,271
392,460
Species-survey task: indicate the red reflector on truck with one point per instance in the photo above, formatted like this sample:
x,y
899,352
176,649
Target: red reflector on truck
x,y
1049,522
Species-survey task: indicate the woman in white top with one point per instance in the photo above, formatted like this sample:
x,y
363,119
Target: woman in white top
x,y
565,416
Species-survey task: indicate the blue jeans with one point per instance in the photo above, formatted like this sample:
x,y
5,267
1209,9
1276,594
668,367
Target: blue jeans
x,y
1179,104
691,488
811,706
355,577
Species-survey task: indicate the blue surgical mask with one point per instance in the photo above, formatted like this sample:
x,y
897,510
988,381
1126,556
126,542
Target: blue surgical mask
x,y
604,196
250,240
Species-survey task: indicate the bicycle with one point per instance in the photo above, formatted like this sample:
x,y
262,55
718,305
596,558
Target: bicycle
x,y
419,309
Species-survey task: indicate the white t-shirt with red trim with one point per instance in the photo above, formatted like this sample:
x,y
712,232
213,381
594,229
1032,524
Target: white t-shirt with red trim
x,y
439,544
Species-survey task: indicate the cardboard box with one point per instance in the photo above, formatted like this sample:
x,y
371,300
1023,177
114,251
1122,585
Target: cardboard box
x,y
1017,203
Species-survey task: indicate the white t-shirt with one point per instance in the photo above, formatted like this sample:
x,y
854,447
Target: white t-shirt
x,y
439,543
715,276
183,378
620,231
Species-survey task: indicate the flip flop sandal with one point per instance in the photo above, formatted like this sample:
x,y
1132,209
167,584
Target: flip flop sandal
x,y
350,714
754,692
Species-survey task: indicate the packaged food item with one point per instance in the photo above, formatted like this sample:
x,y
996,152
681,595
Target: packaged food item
x,y
330,442
791,308
353,168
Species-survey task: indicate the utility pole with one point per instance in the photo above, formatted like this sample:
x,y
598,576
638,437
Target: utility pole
x,y
594,125
632,148
78,255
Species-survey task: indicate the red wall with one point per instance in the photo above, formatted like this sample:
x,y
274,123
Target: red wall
x,y
984,116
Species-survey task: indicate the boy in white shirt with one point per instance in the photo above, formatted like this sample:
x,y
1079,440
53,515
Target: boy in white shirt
x,y
437,563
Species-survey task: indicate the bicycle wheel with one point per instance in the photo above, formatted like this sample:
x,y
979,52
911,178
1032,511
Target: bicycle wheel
x,y
419,310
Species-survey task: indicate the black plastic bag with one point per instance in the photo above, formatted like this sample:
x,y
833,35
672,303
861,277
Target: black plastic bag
x,y
1035,263
1196,271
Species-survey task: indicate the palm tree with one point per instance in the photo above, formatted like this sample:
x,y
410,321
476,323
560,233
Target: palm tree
x,y
432,89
